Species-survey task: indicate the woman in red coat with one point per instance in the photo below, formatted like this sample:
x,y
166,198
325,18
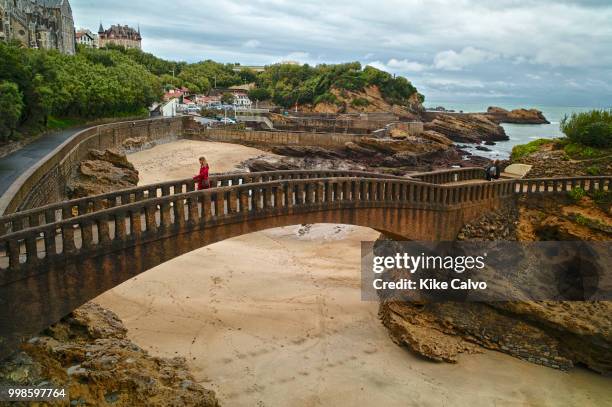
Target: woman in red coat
x,y
202,177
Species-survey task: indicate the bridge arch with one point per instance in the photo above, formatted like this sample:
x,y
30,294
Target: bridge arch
x,y
46,271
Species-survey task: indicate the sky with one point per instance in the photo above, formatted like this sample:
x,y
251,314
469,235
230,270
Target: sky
x,y
522,52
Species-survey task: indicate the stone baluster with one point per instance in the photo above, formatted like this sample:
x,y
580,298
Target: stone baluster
x,y
232,203
13,251
120,226
179,212
193,212
135,223
206,207
68,246
86,234
103,230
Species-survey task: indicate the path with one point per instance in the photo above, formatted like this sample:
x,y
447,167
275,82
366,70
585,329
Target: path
x,y
16,163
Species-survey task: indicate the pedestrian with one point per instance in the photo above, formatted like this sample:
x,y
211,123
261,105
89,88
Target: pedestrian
x,y
497,169
491,171
202,177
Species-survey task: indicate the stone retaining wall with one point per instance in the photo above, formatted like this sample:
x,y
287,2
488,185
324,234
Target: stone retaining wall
x,y
249,137
46,182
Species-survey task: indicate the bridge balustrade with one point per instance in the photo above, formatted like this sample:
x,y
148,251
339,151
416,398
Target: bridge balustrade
x,y
452,175
156,217
80,206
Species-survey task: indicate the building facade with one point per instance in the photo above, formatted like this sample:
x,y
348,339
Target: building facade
x,y
120,35
42,24
87,38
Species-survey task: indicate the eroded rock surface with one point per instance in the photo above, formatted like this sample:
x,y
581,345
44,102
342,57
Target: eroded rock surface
x,y
89,354
518,116
555,334
467,128
102,171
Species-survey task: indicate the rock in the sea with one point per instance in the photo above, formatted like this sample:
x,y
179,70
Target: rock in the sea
x,y
102,171
89,354
467,128
518,116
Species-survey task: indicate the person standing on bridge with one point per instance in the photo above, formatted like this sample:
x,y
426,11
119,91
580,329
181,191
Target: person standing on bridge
x,y
202,177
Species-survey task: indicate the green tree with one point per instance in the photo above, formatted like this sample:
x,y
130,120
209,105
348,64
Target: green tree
x,y
227,98
11,107
593,128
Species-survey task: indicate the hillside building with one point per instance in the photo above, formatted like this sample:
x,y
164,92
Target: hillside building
x,y
41,24
87,38
120,35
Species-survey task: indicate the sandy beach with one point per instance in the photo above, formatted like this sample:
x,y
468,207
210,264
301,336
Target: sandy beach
x,y
275,318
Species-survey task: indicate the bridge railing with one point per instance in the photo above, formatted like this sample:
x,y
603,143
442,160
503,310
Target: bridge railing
x,y
80,206
119,227
155,218
452,175
547,185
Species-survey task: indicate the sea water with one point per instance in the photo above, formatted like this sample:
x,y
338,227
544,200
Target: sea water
x,y
518,133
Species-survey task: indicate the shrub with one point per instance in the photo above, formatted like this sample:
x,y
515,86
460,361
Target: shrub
x,y
593,129
259,94
580,151
593,170
576,194
326,98
360,102
602,197
529,148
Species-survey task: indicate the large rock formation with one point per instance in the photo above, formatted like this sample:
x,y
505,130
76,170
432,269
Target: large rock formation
x,y
466,128
518,116
399,154
368,100
89,354
554,334
101,172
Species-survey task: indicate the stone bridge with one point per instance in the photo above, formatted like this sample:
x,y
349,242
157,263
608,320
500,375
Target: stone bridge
x,y
55,257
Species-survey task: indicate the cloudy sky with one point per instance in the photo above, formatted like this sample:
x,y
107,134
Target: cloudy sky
x,y
538,52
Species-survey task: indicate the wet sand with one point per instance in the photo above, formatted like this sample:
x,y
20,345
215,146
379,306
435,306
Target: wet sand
x,y
275,318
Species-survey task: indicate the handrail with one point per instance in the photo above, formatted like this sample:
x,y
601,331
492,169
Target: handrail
x,y
71,208
451,175
154,217
113,228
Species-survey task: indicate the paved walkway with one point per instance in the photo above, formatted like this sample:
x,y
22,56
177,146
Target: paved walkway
x,y
16,163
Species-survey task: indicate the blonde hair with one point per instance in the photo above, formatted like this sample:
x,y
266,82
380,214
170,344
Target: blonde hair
x,y
204,159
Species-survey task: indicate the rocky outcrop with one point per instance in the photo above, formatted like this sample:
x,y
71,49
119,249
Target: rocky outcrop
x,y
551,161
400,155
555,334
466,128
518,116
368,100
101,172
89,354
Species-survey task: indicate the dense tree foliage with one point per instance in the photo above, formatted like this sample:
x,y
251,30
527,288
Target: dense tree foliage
x,y
91,84
593,129
11,106
288,84
114,81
